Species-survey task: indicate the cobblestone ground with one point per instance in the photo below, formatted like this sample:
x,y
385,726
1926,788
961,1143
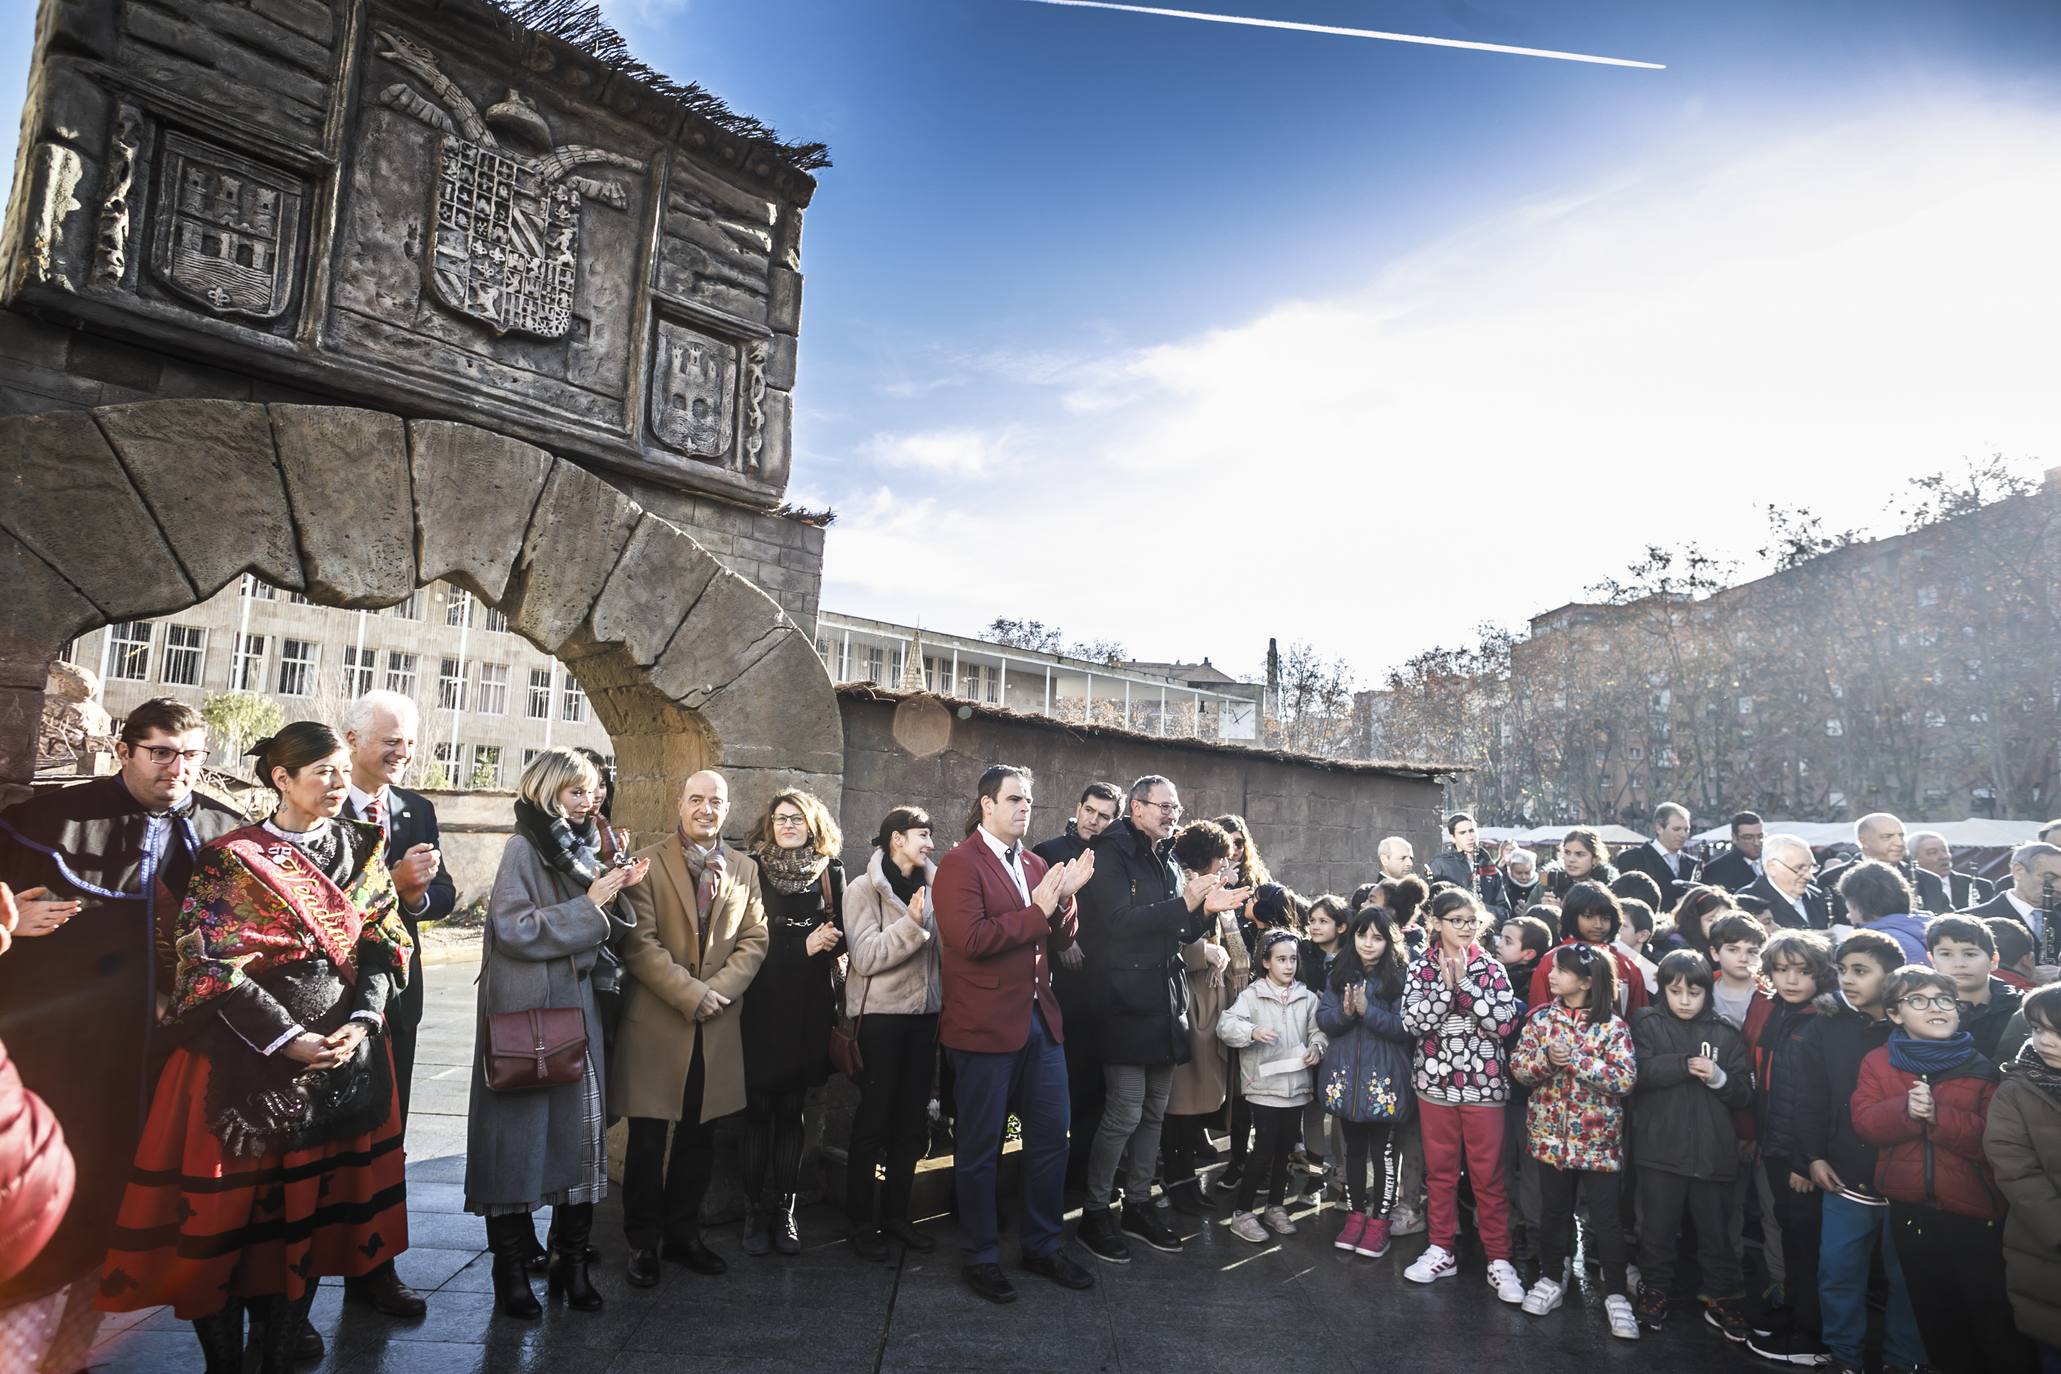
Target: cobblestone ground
x,y
1295,1305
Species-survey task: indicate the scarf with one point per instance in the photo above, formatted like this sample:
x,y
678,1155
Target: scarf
x,y
1933,1058
2028,1065
791,870
574,850
905,886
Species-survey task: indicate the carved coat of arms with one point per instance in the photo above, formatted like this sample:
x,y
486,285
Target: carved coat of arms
x,y
505,247
228,229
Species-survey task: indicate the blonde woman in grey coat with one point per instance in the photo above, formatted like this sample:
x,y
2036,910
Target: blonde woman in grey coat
x,y
549,925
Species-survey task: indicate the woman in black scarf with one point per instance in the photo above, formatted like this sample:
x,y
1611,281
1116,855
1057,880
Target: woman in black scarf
x,y
789,1007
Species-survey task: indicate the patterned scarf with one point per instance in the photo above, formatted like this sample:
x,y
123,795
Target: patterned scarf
x,y
790,870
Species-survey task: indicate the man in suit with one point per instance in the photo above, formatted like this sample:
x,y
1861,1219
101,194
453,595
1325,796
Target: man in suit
x,y
1880,837
1000,911
1793,902
1093,814
2035,878
679,1055
2050,833
1662,858
1397,857
1736,868
1941,887
379,728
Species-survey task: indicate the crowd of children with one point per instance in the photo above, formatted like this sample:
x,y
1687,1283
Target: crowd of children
x,y
1878,1133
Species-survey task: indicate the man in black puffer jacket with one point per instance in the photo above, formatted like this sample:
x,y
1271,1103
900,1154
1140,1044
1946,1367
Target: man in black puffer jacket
x,y
1135,915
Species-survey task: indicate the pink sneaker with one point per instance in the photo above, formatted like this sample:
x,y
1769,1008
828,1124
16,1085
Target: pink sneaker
x,y
1374,1240
1349,1235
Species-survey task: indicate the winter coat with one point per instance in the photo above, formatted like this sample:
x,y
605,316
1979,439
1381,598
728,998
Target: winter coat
x,y
1575,1118
1558,880
1680,1124
2022,1141
1631,983
1908,930
1366,1071
792,1002
1201,1085
894,965
36,1173
1451,866
1774,1036
1988,1021
1828,1065
542,941
1134,920
1937,1164
1292,1013
1459,1058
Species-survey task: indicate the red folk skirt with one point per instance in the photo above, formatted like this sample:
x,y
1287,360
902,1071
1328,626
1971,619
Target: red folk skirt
x,y
197,1228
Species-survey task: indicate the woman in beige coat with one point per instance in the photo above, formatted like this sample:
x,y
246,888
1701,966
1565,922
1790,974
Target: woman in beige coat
x,y
892,993
1218,969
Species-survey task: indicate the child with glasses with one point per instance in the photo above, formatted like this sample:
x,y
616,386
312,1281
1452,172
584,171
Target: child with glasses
x,y
1923,1100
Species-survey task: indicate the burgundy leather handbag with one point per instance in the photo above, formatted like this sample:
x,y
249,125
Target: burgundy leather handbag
x,y
544,1047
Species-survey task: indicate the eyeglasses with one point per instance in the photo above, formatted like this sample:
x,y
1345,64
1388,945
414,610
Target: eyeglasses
x,y
1459,918
160,755
1920,1002
790,820
1809,866
1164,808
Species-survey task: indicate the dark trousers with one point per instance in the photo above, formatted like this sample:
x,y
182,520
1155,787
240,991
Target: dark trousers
x,y
1557,1189
1274,1131
893,1118
1238,1115
1032,1082
1954,1270
1370,1142
400,1037
1799,1215
1663,1198
772,1142
662,1195
1180,1138
1078,1009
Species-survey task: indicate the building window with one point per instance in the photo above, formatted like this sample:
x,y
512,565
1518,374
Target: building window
x,y
494,620
247,673
575,708
184,653
357,671
493,689
400,673
529,756
128,651
259,591
458,610
539,705
873,663
451,685
1745,706
298,599
411,609
449,756
894,669
296,668
486,766
1835,727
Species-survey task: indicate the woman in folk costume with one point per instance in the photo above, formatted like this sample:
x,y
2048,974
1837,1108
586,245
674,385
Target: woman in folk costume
x,y
271,1156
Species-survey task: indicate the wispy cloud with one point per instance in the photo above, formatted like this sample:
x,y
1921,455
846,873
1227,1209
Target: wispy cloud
x,y
964,451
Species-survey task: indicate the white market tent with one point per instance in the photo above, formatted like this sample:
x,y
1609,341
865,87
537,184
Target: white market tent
x,y
1613,835
1966,834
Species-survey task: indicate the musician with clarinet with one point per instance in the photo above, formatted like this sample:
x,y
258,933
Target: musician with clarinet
x,y
1465,863
2034,901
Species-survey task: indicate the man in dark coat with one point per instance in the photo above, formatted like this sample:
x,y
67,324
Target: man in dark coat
x,y
1093,814
1941,887
379,728
1736,868
1138,914
99,871
2035,874
1662,858
1462,864
1785,886
1879,836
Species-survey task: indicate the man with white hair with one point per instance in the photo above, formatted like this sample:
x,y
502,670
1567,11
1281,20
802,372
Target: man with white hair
x,y
1793,900
1941,887
1521,885
379,728
1398,857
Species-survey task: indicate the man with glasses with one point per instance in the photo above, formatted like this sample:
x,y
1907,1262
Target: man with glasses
x,y
1136,913
1793,900
99,869
1095,813
1736,868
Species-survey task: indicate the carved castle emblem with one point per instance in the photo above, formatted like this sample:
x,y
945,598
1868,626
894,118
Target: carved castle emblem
x,y
228,229
692,386
506,204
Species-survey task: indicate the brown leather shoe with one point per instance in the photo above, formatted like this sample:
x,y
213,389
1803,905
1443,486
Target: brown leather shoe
x,y
384,1291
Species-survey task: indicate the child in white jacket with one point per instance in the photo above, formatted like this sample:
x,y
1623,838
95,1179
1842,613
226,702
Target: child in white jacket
x,y
1274,1026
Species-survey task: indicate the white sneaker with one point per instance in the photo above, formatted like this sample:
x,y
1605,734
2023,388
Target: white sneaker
x,y
1545,1295
1405,1220
1502,1276
1624,1323
1246,1226
1278,1221
1434,1264
1631,1279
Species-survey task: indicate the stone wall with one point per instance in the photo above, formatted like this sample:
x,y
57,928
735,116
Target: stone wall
x,y
1318,822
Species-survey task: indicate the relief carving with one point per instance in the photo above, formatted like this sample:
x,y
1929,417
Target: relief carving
x,y
754,404
693,386
111,254
227,230
506,205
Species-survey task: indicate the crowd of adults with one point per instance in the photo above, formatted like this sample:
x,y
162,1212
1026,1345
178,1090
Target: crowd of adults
x,y
1801,1072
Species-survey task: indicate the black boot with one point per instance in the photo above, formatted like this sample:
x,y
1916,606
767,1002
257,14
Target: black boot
x,y
758,1239
283,1322
221,1338
785,1238
570,1227
510,1238
1186,1198
540,1261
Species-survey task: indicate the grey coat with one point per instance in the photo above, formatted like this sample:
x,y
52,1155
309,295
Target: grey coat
x,y
543,935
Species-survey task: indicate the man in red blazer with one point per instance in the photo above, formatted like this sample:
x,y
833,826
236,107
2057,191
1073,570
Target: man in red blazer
x,y
1001,913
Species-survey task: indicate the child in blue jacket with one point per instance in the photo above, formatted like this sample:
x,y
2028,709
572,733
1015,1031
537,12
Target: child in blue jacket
x,y
1365,1079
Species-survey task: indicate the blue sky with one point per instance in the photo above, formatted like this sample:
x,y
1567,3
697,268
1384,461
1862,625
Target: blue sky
x,y
1187,335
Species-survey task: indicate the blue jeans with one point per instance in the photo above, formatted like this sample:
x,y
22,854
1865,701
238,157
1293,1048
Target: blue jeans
x,y
1847,1240
1032,1081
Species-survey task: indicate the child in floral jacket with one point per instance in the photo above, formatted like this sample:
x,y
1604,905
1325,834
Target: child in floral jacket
x,y
1576,1055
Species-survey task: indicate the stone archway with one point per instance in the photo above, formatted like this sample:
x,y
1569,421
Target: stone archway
x,y
133,511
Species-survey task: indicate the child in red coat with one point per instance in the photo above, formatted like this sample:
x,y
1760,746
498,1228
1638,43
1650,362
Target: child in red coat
x,y
1921,1101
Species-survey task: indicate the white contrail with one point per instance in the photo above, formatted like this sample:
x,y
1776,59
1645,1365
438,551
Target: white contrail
x,y
1300,27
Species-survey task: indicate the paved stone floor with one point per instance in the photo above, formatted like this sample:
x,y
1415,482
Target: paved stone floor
x,y
1295,1305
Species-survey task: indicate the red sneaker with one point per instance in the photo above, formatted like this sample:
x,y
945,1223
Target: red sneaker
x,y
1349,1236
